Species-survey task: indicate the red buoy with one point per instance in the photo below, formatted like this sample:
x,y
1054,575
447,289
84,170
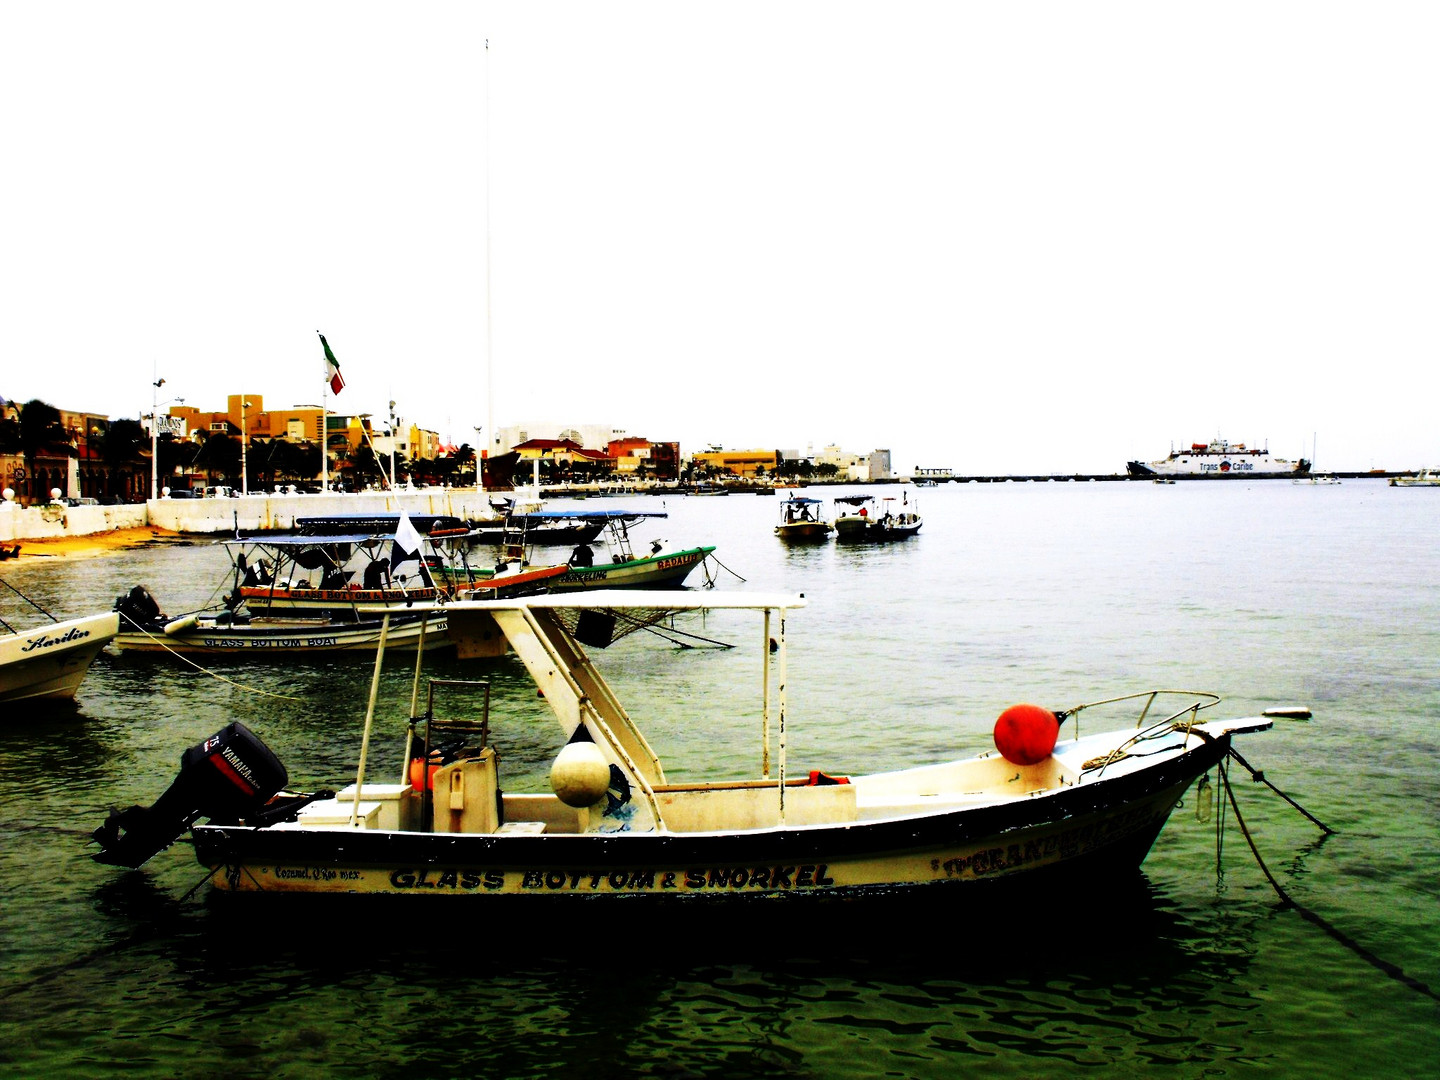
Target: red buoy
x,y
1026,734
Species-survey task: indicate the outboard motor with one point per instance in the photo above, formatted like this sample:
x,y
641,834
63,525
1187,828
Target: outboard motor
x,y
227,777
137,609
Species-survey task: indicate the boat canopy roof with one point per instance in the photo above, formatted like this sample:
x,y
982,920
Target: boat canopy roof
x,y
324,540
588,515
669,599
853,500
803,499
327,524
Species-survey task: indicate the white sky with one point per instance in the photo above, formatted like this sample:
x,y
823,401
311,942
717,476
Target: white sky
x,y
999,237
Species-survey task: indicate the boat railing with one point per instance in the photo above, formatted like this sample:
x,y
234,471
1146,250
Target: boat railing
x,y
1182,719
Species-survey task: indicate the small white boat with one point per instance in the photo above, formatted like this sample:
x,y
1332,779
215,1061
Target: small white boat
x,y
1423,478
613,825
1316,479
866,519
50,661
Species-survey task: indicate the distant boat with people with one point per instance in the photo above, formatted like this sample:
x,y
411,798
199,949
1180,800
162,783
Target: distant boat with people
x,y
866,519
801,521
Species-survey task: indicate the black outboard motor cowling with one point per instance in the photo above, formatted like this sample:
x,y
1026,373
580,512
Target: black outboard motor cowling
x,y
227,777
138,609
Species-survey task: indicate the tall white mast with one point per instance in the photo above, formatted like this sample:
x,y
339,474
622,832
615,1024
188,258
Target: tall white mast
x,y
325,434
489,358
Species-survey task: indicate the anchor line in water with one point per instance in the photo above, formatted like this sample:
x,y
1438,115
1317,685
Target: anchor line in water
x,y
710,581
1394,971
198,885
1258,776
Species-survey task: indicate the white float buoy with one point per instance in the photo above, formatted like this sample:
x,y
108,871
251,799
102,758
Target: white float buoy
x,y
581,775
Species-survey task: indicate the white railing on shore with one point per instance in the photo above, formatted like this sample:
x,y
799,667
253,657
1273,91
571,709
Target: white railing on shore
x,y
255,512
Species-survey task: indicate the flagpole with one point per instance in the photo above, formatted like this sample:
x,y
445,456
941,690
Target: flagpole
x,y
324,430
489,358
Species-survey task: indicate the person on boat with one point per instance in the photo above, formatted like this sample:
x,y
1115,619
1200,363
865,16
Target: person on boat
x,y
582,556
257,573
376,572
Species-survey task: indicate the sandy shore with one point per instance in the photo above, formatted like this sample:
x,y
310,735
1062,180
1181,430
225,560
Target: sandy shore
x,y
92,544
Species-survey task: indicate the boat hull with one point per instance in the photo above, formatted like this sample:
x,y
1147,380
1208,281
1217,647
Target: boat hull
x,y
1090,831
287,637
663,571
803,532
50,662
878,532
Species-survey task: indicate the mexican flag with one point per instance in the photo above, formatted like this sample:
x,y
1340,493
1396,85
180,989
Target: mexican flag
x,y
332,368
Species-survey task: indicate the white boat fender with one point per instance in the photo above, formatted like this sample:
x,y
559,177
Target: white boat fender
x,y
180,625
580,775
1026,734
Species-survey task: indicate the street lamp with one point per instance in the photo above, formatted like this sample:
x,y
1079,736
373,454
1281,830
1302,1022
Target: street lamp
x,y
392,446
244,445
324,448
155,436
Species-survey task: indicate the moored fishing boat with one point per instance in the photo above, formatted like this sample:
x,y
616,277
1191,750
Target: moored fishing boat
x,y
332,573
145,628
619,567
613,825
1218,459
866,519
299,594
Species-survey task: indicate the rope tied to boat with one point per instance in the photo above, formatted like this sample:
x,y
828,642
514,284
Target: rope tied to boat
x,y
207,671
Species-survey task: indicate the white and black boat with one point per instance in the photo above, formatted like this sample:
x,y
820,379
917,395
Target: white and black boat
x,y
144,628
870,520
613,825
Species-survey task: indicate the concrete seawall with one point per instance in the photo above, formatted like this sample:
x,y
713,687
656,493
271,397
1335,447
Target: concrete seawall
x,y
249,513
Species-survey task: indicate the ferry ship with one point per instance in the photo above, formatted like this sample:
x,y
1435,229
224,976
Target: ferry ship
x,y
1218,459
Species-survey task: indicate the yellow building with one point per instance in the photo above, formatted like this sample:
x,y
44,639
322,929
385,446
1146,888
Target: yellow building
x,y
739,462
253,420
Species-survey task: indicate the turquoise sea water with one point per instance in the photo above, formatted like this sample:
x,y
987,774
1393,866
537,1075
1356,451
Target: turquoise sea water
x,y
1264,592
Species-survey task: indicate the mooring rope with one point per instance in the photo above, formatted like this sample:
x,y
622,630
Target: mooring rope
x,y
1392,970
35,605
208,671
722,566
